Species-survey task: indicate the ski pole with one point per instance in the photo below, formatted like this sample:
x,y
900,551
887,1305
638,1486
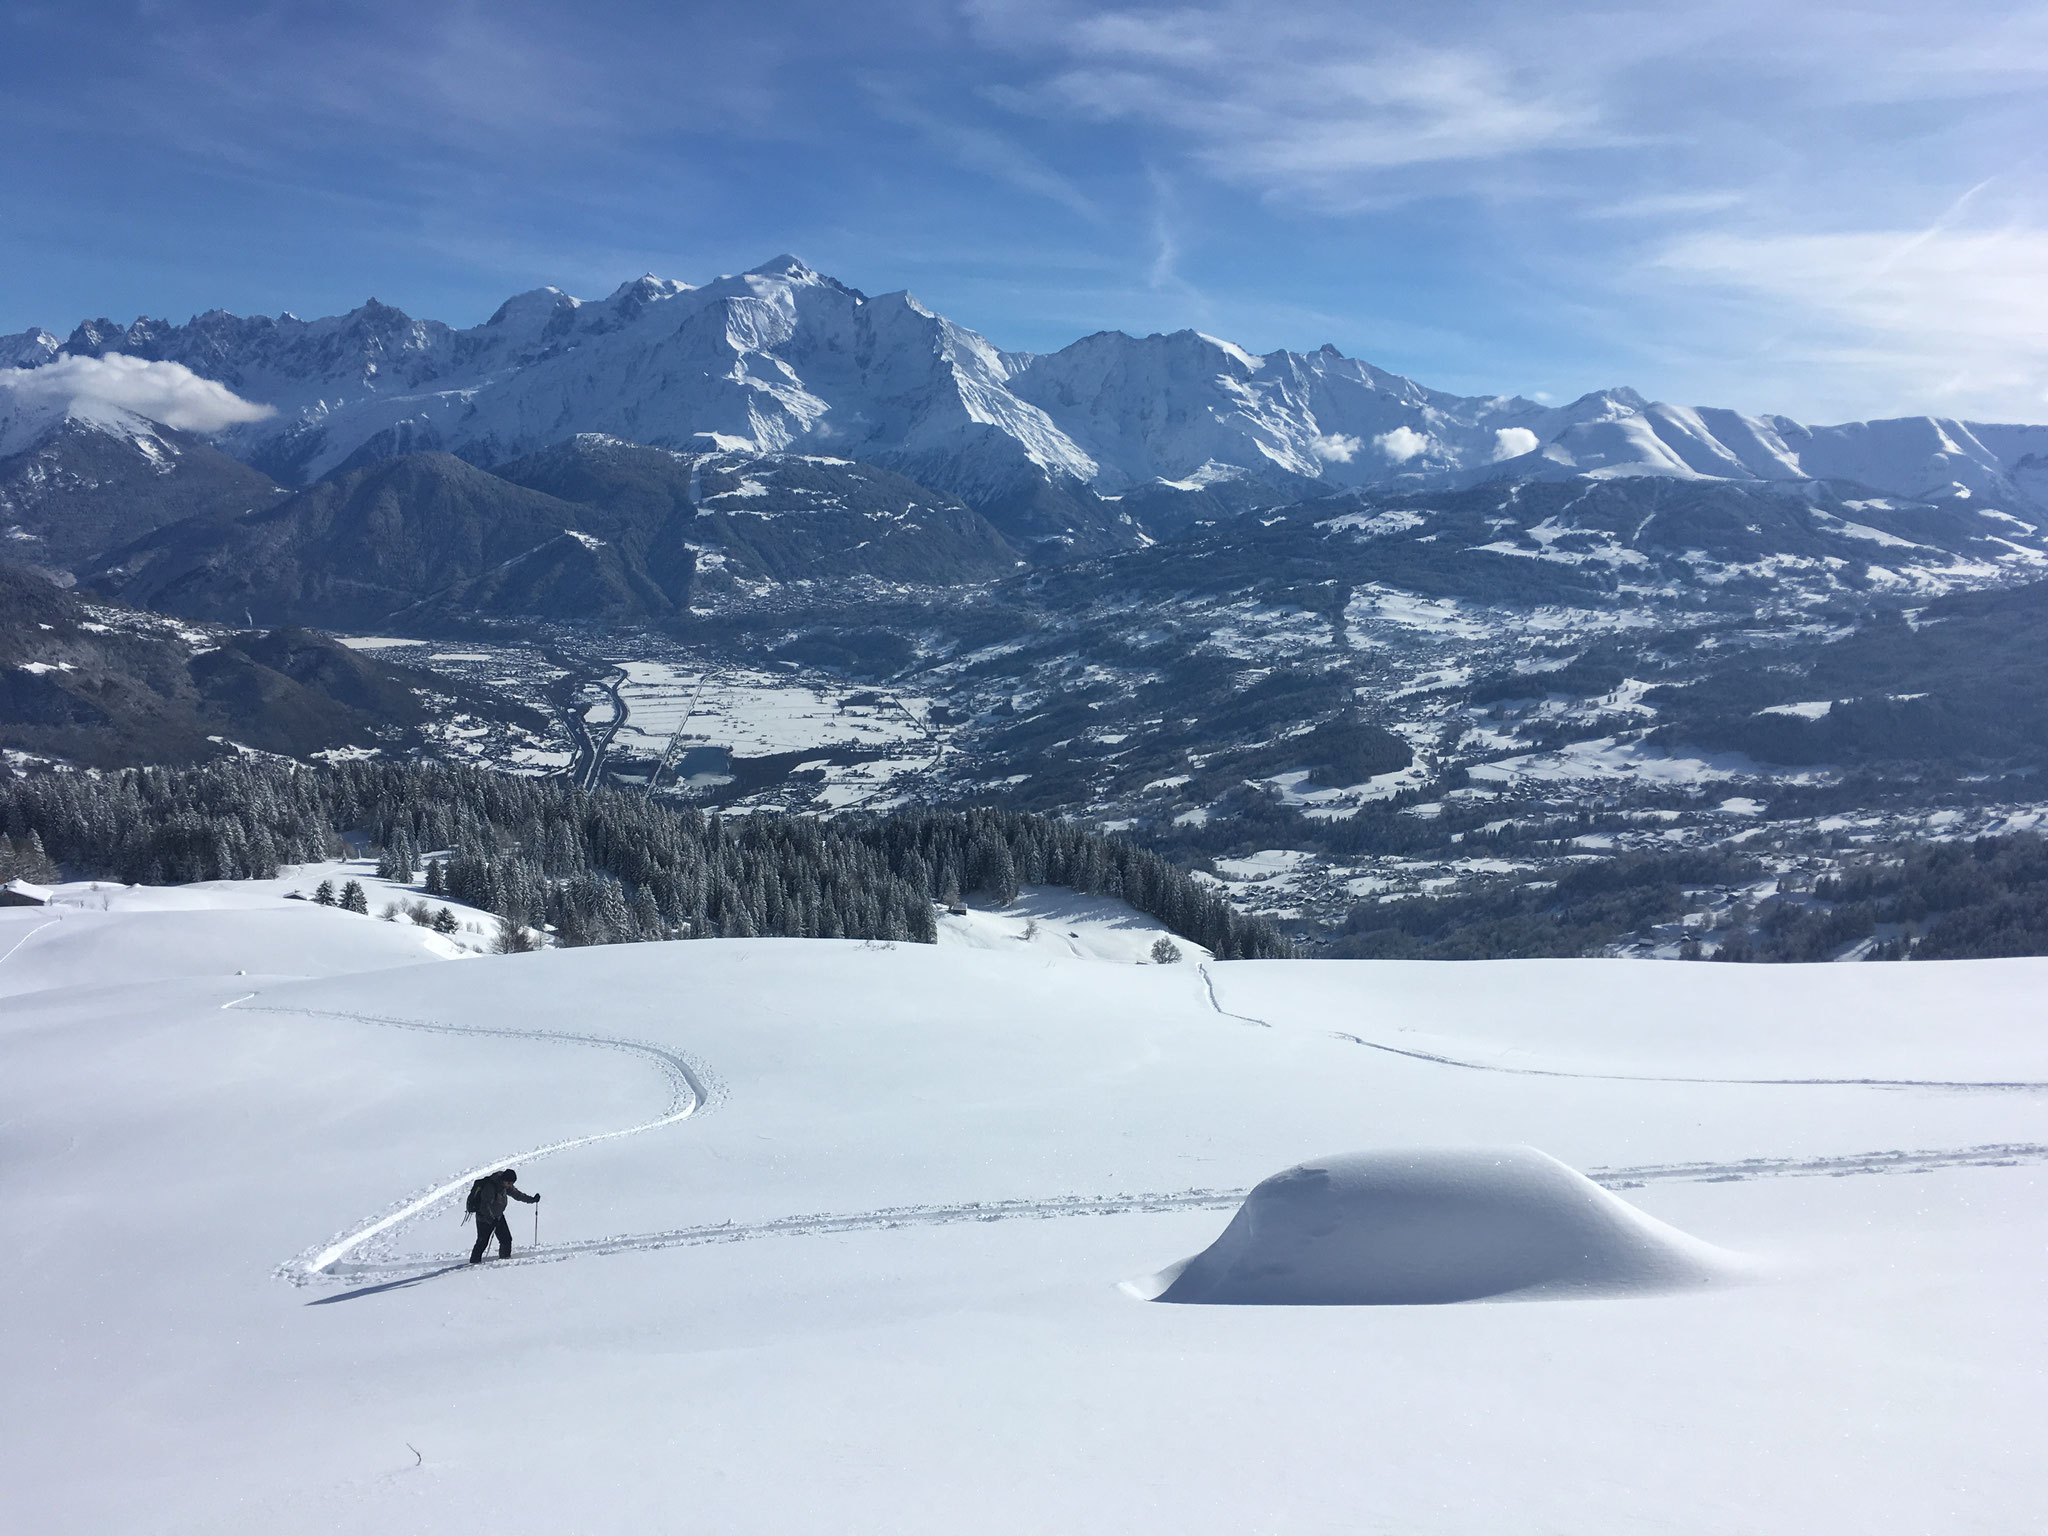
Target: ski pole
x,y
536,1223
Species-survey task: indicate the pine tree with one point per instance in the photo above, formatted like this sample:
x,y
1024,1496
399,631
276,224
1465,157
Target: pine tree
x,y
323,893
353,898
33,863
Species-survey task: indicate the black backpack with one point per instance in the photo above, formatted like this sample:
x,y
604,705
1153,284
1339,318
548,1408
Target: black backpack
x,y
469,1206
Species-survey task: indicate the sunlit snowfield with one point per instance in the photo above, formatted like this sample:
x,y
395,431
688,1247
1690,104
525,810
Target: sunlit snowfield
x,y
834,1234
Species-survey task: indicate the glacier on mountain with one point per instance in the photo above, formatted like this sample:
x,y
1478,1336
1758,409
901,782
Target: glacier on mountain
x,y
785,359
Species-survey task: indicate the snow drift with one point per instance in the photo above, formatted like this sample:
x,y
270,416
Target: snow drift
x,y
1433,1226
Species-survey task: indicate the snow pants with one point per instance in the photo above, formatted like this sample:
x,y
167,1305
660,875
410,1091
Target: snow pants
x,y
488,1227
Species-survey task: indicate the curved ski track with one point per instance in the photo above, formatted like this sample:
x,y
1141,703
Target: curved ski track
x,y
1640,1077
39,927
690,1095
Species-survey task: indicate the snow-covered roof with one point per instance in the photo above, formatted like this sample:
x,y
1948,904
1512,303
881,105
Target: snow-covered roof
x,y
21,893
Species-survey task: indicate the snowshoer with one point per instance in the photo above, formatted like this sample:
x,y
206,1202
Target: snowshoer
x,y
487,1198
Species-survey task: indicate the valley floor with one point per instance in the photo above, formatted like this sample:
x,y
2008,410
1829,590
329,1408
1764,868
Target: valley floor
x,y
832,1235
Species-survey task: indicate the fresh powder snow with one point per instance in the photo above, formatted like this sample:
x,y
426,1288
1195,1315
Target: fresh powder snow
x,y
842,1236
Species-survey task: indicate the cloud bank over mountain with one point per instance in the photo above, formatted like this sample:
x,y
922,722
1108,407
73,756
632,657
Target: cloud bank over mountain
x,y
168,393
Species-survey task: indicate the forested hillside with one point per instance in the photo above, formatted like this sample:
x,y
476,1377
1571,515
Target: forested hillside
x,y
598,868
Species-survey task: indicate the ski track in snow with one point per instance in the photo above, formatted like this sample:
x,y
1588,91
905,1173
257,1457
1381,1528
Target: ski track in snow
x,y
380,1273
688,1095
1215,1002
1638,1077
1732,1082
39,927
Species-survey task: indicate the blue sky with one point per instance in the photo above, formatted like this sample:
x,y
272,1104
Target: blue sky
x,y
1831,211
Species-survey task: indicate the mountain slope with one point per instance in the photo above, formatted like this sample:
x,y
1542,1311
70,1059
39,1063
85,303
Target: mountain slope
x,y
781,517
412,539
107,687
91,481
1957,687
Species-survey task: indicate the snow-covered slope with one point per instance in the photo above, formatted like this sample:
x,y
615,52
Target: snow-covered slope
x,y
782,358
28,349
832,1237
773,358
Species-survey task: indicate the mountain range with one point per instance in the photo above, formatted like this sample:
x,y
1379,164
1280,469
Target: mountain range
x,y
1086,448
1333,637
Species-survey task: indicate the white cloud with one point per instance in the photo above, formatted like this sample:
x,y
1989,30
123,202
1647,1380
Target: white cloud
x,y
1336,448
1652,173
168,393
1402,444
1324,129
1665,205
1953,320
1312,102
1513,442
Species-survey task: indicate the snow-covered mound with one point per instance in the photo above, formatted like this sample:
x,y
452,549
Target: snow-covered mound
x,y
1423,1226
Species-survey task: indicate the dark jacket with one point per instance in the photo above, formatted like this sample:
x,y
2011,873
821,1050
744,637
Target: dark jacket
x,y
487,1198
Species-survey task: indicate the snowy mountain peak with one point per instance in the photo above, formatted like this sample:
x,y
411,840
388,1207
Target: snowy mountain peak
x,y
782,358
542,302
785,266
646,289
1232,350
28,349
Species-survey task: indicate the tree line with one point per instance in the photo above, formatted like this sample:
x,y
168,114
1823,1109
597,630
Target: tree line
x,y
1984,898
598,867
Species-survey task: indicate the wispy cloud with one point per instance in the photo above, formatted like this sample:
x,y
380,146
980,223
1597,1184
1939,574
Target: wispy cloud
x,y
1708,188
1669,205
977,148
1164,273
1311,102
1953,317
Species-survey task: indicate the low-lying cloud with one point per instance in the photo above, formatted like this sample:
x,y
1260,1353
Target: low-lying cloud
x,y
1402,444
1513,442
1336,447
167,393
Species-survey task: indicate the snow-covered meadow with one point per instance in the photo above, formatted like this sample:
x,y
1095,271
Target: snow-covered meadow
x,y
836,1236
